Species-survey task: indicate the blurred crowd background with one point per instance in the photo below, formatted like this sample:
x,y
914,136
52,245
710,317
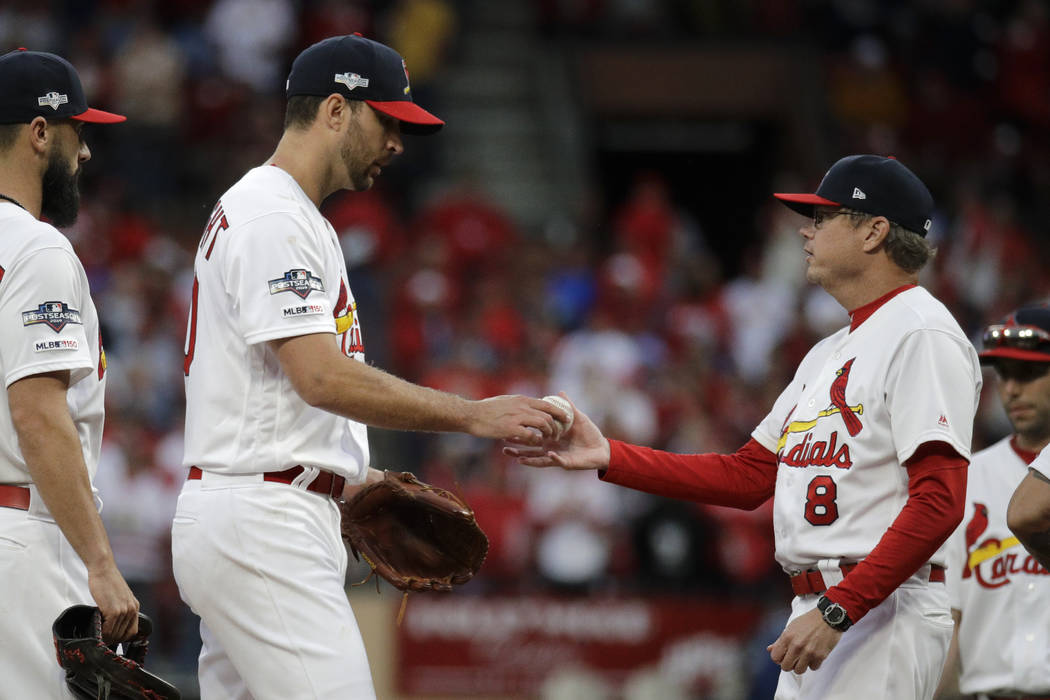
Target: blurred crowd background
x,y
595,218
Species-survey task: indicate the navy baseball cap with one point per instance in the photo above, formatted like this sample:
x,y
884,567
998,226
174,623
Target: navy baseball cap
x,y
361,69
874,185
1023,335
38,84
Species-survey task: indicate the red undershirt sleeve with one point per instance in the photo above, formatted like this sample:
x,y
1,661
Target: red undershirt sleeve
x,y
935,506
744,479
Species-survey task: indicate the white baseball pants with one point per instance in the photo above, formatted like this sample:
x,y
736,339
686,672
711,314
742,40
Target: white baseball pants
x,y
263,564
896,651
40,576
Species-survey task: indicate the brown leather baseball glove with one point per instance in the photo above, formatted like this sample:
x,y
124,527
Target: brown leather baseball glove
x,y
416,536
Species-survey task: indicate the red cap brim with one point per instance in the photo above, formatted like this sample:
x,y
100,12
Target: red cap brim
x,y
97,116
804,203
414,119
1013,354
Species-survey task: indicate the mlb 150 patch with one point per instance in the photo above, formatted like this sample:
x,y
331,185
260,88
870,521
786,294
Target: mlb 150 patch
x,y
60,344
53,314
299,282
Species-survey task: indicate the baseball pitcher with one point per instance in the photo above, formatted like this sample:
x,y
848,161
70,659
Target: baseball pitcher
x,y
864,453
279,396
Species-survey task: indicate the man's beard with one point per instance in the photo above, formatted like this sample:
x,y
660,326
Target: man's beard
x,y
60,201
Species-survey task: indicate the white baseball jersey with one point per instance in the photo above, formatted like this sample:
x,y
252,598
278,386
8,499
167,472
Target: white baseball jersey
x,y
47,323
1004,638
1042,462
859,406
269,266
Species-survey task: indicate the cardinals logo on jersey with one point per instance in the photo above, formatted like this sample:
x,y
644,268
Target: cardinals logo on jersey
x,y
823,453
990,562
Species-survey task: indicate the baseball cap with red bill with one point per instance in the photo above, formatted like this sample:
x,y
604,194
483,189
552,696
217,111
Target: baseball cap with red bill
x,y
361,69
38,84
874,185
1023,335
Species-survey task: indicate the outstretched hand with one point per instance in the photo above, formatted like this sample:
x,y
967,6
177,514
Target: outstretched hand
x,y
582,447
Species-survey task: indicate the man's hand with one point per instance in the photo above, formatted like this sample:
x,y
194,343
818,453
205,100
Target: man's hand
x,y
582,447
119,607
519,419
804,643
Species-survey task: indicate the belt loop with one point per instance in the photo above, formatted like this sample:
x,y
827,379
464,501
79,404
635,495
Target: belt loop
x,y
305,478
831,571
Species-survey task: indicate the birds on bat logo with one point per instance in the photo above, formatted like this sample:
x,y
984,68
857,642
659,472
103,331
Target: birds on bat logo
x,y
823,453
298,281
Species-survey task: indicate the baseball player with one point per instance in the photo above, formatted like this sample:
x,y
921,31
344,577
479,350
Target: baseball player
x,y
1029,513
53,549
864,452
1001,644
279,396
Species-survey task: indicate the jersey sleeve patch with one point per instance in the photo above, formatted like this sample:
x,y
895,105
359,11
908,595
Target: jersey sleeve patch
x,y
56,315
60,344
298,281
296,310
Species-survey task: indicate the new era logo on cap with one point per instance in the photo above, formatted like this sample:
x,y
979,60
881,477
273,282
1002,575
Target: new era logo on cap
x,y
874,185
351,80
52,100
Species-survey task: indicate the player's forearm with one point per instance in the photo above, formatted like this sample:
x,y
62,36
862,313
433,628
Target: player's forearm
x,y
52,452
1028,516
326,379
933,511
745,479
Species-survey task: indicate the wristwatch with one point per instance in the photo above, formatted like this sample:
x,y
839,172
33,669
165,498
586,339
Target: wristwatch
x,y
834,614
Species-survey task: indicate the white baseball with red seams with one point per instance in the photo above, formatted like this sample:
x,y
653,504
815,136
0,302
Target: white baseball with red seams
x,y
563,404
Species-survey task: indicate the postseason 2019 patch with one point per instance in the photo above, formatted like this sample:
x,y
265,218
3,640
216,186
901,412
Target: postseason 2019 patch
x,y
299,282
53,314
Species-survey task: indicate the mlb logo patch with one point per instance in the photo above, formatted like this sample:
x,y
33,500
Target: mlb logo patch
x,y
299,282
53,314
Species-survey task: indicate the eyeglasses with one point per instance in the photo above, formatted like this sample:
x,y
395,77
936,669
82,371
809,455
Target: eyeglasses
x,y
819,216
1022,337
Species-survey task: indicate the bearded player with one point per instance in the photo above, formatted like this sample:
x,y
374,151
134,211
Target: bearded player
x,y
864,453
278,395
53,549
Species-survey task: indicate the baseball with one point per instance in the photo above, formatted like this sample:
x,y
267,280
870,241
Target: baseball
x,y
565,406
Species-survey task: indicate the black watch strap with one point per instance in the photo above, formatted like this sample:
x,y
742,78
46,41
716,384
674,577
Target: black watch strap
x,y
834,614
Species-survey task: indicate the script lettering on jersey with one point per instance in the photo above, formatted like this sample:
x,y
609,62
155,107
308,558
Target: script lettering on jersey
x,y
216,222
993,562
823,453
818,453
